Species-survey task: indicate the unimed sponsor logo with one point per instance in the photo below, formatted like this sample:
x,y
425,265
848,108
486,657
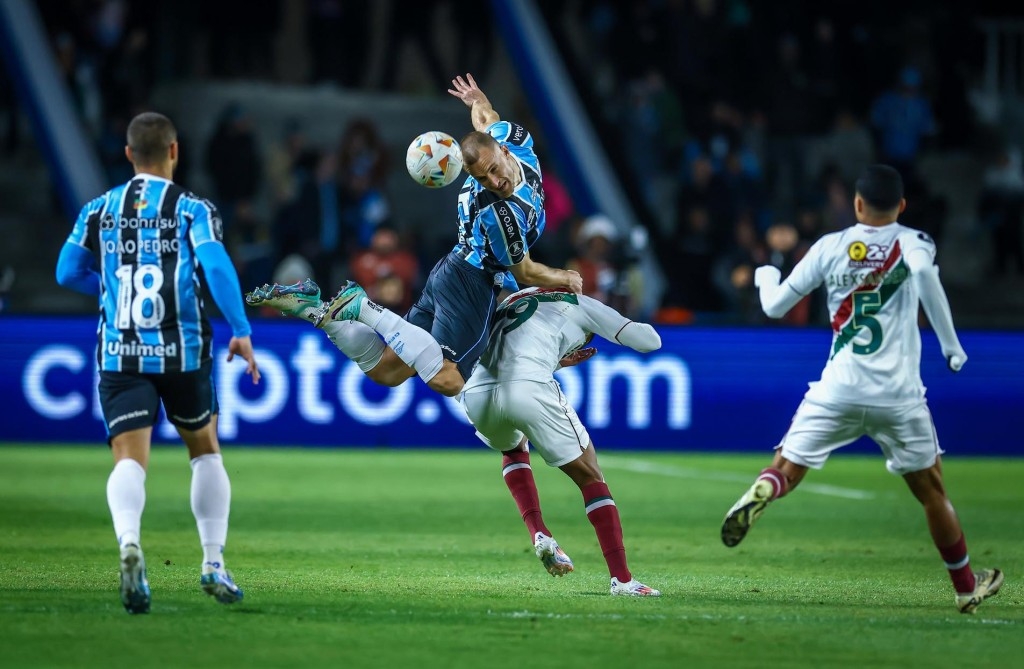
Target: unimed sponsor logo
x,y
305,380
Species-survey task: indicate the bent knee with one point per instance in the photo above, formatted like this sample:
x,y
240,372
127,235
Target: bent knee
x,y
448,381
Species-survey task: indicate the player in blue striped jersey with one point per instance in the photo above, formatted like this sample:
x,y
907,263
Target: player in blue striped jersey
x,y
149,249
500,215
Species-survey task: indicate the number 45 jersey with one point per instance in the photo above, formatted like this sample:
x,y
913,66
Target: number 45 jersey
x,y
873,308
143,235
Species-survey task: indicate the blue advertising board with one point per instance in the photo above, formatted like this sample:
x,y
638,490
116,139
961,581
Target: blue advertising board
x,y
706,389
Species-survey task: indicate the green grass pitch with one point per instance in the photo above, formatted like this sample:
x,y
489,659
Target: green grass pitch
x,y
404,558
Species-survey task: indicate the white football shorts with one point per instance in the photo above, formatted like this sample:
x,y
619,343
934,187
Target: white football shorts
x,y
503,413
905,434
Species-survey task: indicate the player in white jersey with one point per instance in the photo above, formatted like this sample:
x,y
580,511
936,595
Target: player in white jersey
x,y
876,274
513,399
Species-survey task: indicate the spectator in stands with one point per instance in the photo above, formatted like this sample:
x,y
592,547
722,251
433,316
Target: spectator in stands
x,y
608,274
692,254
902,118
563,221
789,106
282,163
363,165
785,249
79,72
249,245
702,189
848,145
110,146
733,271
388,271
7,278
1001,210
835,198
653,132
233,161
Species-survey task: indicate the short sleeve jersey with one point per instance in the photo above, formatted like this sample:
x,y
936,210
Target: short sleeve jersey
x,y
143,235
495,233
535,328
873,307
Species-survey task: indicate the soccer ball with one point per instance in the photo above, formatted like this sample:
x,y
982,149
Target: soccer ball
x,y
434,159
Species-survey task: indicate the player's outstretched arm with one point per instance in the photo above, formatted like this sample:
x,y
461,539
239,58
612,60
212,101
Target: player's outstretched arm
x,y
936,307
776,299
481,112
227,293
530,273
76,269
613,326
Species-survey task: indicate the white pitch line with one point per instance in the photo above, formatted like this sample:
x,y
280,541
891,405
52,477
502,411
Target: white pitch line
x,y
632,615
642,467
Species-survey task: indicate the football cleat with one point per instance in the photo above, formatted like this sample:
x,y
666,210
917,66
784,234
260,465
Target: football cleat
x,y
344,306
134,586
745,511
551,555
986,584
633,588
220,586
301,300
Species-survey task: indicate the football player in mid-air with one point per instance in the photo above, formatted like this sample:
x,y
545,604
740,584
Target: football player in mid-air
x,y
876,272
513,400
500,215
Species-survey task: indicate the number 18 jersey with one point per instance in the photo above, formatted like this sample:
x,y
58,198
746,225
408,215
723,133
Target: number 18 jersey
x,y
873,308
143,235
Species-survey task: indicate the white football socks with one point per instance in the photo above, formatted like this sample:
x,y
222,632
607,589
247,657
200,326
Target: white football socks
x,y
126,497
211,505
359,343
414,345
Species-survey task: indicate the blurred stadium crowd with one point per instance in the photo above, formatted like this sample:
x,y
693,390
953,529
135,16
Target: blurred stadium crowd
x,y
737,128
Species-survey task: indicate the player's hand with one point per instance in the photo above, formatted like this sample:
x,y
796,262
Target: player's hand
x,y
577,356
767,275
242,346
467,90
574,282
955,359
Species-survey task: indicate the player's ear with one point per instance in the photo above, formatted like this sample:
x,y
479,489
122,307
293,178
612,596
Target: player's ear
x,y
173,150
128,154
903,205
858,204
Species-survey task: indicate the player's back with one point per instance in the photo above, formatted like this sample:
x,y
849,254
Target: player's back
x,y
532,330
144,234
873,309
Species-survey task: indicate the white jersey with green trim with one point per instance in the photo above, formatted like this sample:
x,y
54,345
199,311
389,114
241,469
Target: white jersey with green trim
x,y
533,329
875,357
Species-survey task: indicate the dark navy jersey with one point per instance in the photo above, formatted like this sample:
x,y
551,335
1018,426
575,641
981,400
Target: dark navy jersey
x,y
495,233
144,235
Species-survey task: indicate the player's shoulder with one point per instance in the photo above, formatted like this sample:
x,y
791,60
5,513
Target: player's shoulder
x,y
189,201
912,237
510,133
101,202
